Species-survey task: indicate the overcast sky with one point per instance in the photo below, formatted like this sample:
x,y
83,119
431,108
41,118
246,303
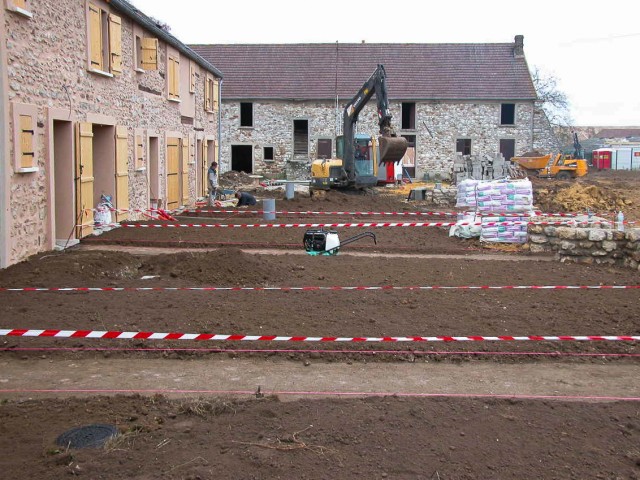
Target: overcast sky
x,y
592,48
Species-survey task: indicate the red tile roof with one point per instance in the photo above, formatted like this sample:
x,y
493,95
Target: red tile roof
x,y
415,71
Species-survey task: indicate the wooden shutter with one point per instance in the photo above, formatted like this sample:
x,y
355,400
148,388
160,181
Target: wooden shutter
x,y
204,165
20,4
215,95
27,136
173,165
174,78
192,76
122,173
139,152
207,95
185,170
115,44
95,37
84,179
149,59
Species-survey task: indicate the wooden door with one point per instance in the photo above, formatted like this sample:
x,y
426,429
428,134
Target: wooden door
x,y
122,174
173,173
84,179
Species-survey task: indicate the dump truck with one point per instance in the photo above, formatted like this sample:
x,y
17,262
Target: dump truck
x,y
552,165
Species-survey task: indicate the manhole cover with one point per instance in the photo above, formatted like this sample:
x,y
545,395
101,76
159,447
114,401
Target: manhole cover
x,y
87,436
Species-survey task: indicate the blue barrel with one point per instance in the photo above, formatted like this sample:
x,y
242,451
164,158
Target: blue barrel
x,y
269,209
289,190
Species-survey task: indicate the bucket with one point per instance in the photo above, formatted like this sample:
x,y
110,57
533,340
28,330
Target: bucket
x,y
289,191
269,209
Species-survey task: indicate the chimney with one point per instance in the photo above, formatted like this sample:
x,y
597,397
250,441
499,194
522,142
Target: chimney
x,y
518,48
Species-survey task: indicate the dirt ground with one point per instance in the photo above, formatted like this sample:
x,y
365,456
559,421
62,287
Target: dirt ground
x,y
255,436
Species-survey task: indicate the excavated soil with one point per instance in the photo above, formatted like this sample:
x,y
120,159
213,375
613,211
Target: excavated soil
x,y
262,437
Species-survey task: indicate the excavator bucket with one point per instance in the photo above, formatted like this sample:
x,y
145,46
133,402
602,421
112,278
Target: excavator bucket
x,y
392,149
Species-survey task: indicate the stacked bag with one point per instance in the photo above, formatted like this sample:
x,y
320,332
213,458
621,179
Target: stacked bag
x,y
491,198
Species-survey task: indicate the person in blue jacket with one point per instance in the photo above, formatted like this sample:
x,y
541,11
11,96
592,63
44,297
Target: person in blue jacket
x,y
245,199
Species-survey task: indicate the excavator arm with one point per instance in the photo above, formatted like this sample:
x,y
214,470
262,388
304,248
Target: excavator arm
x,y
392,148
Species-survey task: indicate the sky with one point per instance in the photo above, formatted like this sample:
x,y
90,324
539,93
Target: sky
x,y
591,48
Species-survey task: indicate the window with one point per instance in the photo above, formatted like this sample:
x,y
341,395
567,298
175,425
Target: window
x,y
173,77
105,41
246,114
300,137
463,146
211,95
268,154
508,114
22,7
146,53
408,116
24,138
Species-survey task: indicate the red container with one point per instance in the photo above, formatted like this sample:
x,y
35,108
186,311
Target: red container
x,y
602,158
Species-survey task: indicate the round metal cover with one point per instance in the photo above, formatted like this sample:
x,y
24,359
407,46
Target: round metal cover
x,y
89,436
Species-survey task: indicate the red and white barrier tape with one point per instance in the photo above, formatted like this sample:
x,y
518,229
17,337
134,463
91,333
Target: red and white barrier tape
x,y
320,288
346,225
99,334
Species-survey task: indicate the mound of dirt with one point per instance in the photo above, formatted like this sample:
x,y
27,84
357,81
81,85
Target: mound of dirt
x,y
578,197
92,265
213,268
233,179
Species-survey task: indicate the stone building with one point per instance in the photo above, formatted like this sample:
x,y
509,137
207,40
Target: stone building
x,y
96,99
282,104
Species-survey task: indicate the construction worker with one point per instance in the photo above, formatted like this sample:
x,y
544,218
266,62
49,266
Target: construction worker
x,y
212,173
245,199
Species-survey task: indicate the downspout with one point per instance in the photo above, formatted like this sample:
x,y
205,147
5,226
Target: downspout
x,y
220,122
533,116
4,151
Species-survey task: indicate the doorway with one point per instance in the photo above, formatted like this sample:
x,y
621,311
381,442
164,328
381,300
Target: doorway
x,y
242,158
104,167
63,184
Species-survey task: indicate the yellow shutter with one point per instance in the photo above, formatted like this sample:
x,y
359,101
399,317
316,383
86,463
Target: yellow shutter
x,y
149,59
207,95
215,95
174,77
115,44
27,135
84,179
139,152
95,37
192,76
122,173
185,170
173,164
204,166
20,4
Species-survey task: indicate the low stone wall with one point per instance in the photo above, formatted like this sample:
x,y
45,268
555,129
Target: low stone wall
x,y
594,243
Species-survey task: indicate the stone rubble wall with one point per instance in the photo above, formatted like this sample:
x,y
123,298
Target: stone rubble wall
x,y
438,125
599,244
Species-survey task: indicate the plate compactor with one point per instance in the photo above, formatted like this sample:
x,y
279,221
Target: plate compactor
x,y
326,242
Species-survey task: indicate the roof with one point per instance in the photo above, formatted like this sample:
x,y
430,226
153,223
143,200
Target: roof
x,y
618,132
140,18
415,71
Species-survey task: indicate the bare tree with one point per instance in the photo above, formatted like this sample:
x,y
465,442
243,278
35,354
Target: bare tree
x,y
552,100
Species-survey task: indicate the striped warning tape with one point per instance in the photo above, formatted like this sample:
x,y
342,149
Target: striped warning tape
x,y
349,225
100,334
321,288
310,212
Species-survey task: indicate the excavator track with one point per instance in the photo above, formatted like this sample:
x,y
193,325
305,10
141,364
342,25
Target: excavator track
x,y
392,149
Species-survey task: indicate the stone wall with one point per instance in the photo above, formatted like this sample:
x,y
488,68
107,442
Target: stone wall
x,y
593,244
438,125
47,60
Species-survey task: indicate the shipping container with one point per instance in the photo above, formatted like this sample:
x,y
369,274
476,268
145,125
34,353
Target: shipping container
x,y
603,158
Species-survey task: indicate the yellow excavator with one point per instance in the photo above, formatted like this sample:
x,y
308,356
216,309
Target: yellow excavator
x,y
359,155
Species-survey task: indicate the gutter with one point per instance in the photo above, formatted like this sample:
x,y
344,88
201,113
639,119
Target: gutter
x,y
220,123
4,153
140,18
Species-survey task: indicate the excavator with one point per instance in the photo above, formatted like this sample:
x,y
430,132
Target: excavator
x,y
359,155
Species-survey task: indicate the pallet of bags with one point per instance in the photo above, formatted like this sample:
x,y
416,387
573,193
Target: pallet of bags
x,y
466,195
507,231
